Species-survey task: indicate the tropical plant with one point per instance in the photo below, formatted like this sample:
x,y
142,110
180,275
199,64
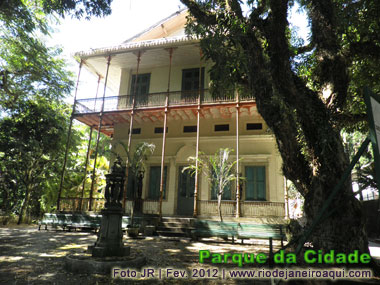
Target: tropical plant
x,y
135,163
218,170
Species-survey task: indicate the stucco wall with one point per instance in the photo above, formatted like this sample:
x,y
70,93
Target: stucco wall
x,y
257,149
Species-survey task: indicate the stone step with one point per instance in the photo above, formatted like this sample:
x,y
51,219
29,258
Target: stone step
x,y
176,220
173,230
171,233
173,224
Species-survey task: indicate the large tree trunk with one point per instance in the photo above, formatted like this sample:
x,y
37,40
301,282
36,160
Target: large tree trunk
x,y
302,121
25,205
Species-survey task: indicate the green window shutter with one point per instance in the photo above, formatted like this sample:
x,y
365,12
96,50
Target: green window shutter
x,y
226,193
255,183
250,190
143,82
130,186
142,88
260,182
154,182
214,188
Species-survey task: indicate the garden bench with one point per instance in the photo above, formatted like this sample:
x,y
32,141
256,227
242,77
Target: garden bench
x,y
206,228
70,221
84,221
260,231
79,220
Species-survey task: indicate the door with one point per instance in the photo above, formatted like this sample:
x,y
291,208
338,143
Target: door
x,y
142,88
190,84
186,184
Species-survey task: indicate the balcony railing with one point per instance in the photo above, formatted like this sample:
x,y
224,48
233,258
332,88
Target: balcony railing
x,y
206,207
154,100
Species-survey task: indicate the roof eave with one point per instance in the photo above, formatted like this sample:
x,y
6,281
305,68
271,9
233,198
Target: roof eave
x,y
134,46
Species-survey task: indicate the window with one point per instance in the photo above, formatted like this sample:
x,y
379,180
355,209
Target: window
x,y
190,83
142,88
254,126
135,131
154,182
226,192
255,183
222,128
131,184
189,129
160,130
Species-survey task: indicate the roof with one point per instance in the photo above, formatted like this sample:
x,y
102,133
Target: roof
x,y
131,46
153,42
158,24
167,31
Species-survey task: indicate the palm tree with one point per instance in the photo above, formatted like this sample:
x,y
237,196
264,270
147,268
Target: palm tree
x,y
135,164
218,170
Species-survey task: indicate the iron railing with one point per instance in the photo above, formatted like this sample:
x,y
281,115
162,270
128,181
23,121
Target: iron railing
x,y
152,100
206,207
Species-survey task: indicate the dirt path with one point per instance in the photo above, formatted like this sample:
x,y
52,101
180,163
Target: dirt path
x,y
29,256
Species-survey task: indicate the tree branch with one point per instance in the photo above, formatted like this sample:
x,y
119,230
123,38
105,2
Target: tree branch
x,y
206,18
332,65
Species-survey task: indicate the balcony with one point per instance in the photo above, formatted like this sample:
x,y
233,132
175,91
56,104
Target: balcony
x,y
156,100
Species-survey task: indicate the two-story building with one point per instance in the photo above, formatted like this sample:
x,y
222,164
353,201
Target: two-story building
x,y
163,98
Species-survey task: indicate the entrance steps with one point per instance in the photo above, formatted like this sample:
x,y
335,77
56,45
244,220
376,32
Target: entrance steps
x,y
174,227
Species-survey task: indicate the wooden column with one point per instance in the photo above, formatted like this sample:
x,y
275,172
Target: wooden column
x,y
164,136
98,137
68,139
130,130
238,210
195,212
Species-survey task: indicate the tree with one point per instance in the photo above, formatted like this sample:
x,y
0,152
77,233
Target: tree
x,y
305,94
218,170
135,163
29,140
27,66
34,121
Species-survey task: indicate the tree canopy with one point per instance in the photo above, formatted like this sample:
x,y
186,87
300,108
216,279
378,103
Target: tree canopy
x,y
305,93
34,119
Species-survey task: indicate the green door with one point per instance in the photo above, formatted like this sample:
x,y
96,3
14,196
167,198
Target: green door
x,y
142,88
190,84
186,184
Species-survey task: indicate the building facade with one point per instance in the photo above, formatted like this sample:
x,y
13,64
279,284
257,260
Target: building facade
x,y
163,98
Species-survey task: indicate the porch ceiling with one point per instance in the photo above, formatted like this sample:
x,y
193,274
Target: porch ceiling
x,y
110,119
184,54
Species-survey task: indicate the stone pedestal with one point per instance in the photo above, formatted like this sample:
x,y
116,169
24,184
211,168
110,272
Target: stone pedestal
x,y
110,237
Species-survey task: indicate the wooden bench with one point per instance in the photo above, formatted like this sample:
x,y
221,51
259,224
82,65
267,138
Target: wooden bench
x,y
70,221
260,231
207,228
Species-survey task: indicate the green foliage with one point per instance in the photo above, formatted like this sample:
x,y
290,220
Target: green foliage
x,y
34,121
364,171
136,159
30,140
218,170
